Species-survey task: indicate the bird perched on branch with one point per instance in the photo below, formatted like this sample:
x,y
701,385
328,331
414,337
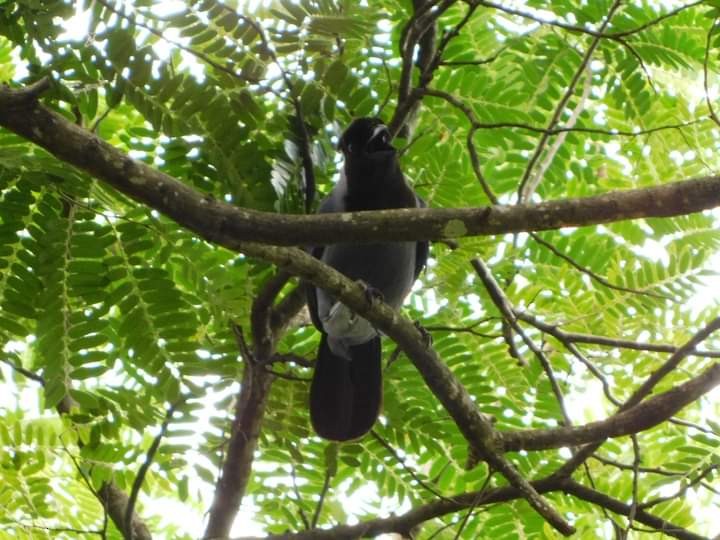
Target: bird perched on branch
x,y
346,389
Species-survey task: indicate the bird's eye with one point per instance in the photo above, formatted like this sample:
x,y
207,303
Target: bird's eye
x,y
385,137
350,148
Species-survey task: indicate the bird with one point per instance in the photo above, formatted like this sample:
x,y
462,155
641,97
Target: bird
x,y
346,387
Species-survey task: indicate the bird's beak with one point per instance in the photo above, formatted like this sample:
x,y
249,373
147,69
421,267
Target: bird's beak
x,y
378,131
379,140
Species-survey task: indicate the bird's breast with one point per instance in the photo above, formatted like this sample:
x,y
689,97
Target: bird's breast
x,y
388,267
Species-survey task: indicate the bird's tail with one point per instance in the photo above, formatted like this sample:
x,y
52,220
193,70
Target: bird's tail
x,y
345,394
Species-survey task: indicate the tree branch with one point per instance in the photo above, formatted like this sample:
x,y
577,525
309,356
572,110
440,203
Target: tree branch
x,y
638,418
404,523
142,472
229,226
603,341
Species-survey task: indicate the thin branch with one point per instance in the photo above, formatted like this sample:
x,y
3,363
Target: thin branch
x,y
506,309
672,362
477,170
645,470
154,31
629,420
575,337
479,62
657,20
462,329
561,337
537,176
321,500
292,359
706,60
522,195
706,380
142,471
596,277
584,30
404,523
472,507
571,487
635,477
24,372
422,483
298,498
99,533
680,492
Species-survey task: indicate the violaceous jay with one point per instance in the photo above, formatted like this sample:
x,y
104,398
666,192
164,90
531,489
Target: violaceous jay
x,y
346,388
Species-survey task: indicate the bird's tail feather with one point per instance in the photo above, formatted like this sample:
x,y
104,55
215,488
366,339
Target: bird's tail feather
x,y
345,394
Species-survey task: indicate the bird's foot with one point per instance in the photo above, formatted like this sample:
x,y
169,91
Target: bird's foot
x,y
427,337
372,294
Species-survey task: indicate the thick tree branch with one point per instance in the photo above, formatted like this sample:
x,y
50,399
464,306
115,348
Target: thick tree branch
x,y
268,323
571,487
405,523
476,428
644,390
237,465
227,225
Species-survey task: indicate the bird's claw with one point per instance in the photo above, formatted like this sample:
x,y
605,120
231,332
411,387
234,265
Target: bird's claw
x,y
427,337
372,294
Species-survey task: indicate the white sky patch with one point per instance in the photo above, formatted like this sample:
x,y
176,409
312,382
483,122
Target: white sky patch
x,y
76,27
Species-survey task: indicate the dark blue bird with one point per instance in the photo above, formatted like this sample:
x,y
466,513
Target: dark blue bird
x,y
346,389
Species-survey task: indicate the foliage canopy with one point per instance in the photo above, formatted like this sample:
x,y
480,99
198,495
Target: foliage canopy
x,y
122,330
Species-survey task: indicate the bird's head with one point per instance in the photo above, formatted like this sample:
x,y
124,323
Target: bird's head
x,y
367,138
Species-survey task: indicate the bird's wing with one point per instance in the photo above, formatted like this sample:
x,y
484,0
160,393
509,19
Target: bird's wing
x,y
332,203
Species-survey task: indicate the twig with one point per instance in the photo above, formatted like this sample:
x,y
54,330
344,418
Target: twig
x,y
463,329
706,60
99,533
657,20
563,102
298,498
672,362
471,509
475,122
503,304
635,475
562,338
422,483
321,500
592,274
480,62
584,30
604,341
142,471
569,466
202,56
475,162
680,492
292,359
22,371
537,176
645,470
